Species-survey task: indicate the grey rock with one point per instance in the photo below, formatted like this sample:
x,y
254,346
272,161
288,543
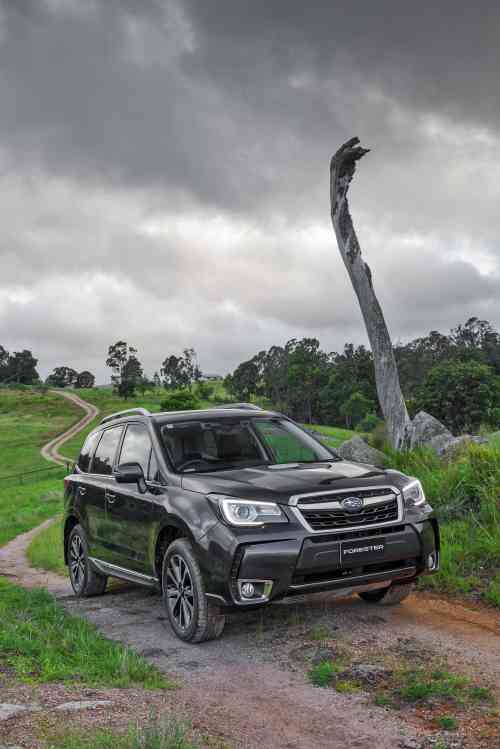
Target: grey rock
x,y
453,446
425,428
357,450
441,442
83,705
368,672
8,710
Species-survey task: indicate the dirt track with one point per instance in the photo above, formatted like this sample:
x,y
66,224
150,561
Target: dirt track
x,y
50,451
251,685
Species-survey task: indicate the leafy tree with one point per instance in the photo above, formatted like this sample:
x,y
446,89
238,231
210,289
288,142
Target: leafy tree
x,y
85,379
180,371
127,370
62,377
308,368
4,363
156,380
461,394
244,381
355,408
21,368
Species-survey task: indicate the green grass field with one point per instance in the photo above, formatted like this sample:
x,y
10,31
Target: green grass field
x,y
38,641
333,436
29,419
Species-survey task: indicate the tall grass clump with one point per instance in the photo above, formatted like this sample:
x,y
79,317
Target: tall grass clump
x,y
465,492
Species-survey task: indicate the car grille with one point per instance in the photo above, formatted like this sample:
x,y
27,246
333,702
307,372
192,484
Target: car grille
x,y
332,519
314,499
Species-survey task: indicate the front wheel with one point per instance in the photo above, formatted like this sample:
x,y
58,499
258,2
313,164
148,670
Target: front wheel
x,y
85,581
388,596
192,616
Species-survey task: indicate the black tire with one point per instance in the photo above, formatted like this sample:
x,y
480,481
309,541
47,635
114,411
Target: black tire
x,y
193,617
84,579
390,596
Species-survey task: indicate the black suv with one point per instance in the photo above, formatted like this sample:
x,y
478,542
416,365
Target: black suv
x,y
237,507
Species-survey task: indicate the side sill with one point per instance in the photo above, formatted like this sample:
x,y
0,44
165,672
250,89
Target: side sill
x,y
113,570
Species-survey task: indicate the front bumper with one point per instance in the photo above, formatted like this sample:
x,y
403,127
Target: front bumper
x,y
313,563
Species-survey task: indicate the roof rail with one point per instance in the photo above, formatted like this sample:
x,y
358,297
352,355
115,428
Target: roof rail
x,y
129,411
243,406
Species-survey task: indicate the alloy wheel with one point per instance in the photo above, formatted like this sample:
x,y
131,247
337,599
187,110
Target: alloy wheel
x,y
180,594
77,561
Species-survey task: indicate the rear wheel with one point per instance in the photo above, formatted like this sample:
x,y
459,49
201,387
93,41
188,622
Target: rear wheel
x,y
390,596
193,617
85,581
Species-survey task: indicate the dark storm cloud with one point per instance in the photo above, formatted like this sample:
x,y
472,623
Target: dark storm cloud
x,y
174,155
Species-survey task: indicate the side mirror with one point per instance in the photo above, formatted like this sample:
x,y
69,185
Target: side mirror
x,y
130,473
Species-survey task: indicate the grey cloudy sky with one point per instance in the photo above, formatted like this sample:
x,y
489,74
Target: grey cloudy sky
x,y
164,172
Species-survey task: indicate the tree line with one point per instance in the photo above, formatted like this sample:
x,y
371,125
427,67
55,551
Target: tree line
x,y
176,372
455,377
19,368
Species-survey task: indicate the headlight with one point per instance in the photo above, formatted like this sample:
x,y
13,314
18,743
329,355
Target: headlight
x,y
413,494
245,512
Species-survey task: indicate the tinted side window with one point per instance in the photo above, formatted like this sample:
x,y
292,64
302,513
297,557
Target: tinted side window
x,y
87,450
104,457
136,446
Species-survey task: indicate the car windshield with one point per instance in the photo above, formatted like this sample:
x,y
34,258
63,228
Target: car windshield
x,y
215,445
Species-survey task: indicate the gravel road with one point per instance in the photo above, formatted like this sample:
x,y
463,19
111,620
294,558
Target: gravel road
x,y
251,685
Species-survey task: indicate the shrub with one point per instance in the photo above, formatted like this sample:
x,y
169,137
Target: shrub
x,y
205,390
368,423
182,400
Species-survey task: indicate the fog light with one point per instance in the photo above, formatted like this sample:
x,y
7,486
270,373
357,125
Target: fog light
x,y
254,591
247,590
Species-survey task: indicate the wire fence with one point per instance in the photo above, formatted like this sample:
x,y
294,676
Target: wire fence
x,y
29,474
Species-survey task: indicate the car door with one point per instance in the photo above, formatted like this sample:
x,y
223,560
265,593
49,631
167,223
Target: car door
x,y
88,512
130,513
101,483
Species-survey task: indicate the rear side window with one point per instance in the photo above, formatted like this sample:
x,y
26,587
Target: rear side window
x,y
87,450
136,447
104,457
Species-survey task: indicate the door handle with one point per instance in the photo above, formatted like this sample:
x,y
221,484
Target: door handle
x,y
110,497
82,490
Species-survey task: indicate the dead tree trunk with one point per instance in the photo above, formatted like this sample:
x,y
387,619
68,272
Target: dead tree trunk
x,y
342,168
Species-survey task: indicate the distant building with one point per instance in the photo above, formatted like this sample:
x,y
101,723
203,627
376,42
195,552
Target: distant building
x,y
206,377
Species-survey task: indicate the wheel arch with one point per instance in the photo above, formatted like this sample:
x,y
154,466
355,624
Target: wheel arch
x,y
171,529
69,524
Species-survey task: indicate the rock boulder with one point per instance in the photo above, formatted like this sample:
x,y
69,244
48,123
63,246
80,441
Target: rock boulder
x,y
357,450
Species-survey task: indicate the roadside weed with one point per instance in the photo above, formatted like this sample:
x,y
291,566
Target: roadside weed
x,y
447,723
167,734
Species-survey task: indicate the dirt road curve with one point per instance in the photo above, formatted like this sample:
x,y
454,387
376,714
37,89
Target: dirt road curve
x,y
50,451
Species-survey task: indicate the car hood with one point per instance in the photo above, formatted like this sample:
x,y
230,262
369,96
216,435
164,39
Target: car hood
x,y
279,483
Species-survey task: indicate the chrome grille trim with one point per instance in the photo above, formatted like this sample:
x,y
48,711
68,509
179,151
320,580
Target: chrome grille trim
x,y
335,504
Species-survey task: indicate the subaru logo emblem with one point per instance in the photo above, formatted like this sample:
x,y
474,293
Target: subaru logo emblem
x,y
352,504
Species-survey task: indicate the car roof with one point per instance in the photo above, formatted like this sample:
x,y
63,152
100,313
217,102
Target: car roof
x,y
166,417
